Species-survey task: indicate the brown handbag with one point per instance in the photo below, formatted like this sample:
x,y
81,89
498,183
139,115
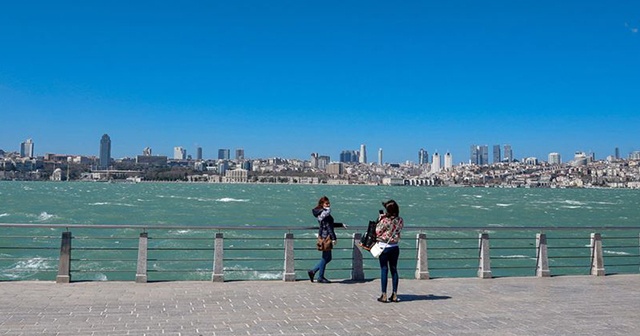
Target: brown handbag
x,y
324,244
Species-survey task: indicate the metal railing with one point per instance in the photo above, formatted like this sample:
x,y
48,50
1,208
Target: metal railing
x,y
145,253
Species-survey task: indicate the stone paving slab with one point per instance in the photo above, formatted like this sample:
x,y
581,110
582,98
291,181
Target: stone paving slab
x,y
568,305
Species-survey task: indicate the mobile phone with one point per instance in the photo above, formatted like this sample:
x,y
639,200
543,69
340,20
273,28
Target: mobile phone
x,y
381,212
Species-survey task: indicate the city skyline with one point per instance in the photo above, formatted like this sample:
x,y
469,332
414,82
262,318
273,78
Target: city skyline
x,y
286,79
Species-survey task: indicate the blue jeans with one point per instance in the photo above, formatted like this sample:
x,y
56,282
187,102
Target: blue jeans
x,y
322,264
389,262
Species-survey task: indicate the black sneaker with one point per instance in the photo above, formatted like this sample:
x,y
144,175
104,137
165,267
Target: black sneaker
x,y
323,280
312,275
394,298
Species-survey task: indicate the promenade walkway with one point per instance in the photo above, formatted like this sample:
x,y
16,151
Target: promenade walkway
x,y
568,305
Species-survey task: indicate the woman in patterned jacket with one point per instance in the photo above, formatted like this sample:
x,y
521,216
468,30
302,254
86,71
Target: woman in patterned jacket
x,y
388,235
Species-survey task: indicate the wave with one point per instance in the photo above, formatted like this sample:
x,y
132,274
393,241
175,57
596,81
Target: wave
x,y
44,216
111,203
4,214
616,252
229,199
26,268
503,204
516,256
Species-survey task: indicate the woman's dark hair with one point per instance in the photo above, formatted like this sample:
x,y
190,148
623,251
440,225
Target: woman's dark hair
x,y
393,210
322,201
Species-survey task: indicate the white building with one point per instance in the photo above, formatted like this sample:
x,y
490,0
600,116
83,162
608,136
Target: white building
x,y
554,158
363,154
179,153
448,162
435,163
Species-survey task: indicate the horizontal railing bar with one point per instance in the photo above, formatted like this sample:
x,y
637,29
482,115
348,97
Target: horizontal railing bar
x,y
298,228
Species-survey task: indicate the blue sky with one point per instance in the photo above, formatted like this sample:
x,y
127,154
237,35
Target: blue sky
x,y
288,78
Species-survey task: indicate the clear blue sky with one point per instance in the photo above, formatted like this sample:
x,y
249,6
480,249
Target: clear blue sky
x,y
288,78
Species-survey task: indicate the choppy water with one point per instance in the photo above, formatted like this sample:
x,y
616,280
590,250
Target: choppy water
x,y
247,205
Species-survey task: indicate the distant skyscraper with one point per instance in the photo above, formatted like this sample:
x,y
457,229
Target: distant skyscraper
x,y
239,154
26,148
617,153
105,152
146,151
479,155
323,161
508,154
199,153
554,158
363,154
224,154
496,154
179,153
423,157
314,160
435,163
380,156
448,161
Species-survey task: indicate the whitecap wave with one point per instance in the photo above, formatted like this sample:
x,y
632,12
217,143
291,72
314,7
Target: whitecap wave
x,y
4,214
616,252
504,204
229,199
44,216
515,256
26,268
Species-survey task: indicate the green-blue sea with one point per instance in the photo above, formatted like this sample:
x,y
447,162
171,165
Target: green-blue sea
x,y
249,206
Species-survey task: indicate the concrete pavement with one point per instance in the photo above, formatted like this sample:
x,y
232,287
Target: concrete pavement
x,y
568,305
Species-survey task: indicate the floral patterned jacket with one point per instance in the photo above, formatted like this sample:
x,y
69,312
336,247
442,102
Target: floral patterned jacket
x,y
386,226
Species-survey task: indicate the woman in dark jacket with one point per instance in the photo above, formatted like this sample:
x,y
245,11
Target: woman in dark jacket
x,y
322,212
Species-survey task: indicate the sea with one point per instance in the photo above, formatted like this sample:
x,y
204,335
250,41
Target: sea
x,y
451,217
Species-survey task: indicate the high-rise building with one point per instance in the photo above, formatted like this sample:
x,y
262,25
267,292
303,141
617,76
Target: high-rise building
x,y
554,158
146,151
617,153
496,154
105,152
224,154
448,162
239,154
435,163
179,153
508,154
314,160
423,157
479,155
26,149
363,154
380,156
199,153
323,161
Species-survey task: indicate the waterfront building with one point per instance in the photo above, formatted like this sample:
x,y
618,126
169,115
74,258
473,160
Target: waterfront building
x,y
335,168
179,153
497,158
507,154
26,149
363,154
554,159
105,152
150,160
435,163
237,175
380,156
239,154
448,162
224,154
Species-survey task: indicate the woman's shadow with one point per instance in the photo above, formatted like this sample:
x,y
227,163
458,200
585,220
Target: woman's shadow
x,y
415,297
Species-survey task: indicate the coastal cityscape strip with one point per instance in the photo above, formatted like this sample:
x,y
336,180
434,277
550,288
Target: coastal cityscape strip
x,y
584,170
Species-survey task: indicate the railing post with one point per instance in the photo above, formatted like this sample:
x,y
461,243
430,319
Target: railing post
x,y
289,260
64,267
542,258
357,267
422,265
141,272
218,257
484,269
597,261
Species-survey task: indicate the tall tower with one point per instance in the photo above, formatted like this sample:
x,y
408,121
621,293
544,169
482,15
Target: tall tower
x,y
105,152
26,148
496,154
435,164
554,158
423,156
448,161
363,154
380,156
239,154
179,153
224,154
508,153
199,153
